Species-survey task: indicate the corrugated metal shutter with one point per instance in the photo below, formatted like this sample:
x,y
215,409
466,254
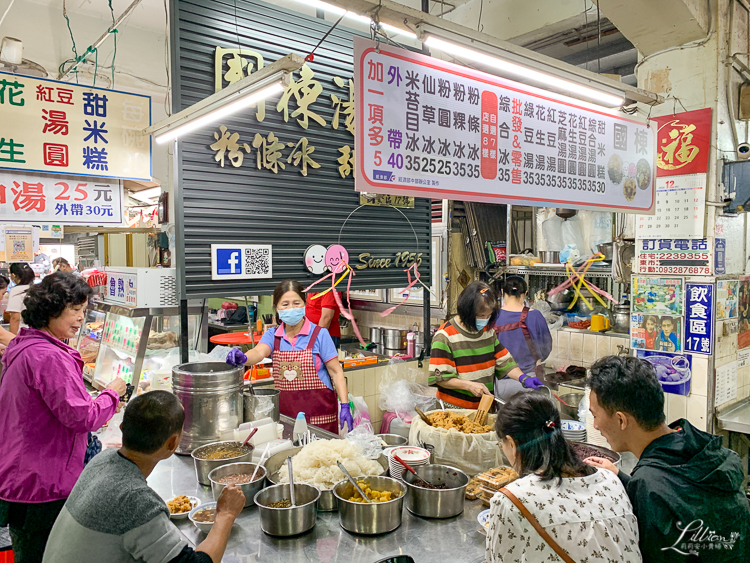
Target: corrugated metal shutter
x,y
251,206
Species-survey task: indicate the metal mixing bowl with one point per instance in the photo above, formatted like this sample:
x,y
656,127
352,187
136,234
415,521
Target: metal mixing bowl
x,y
250,489
287,521
393,439
436,503
327,502
204,466
370,518
571,411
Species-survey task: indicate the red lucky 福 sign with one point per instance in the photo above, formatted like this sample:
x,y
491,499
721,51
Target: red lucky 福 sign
x,y
682,143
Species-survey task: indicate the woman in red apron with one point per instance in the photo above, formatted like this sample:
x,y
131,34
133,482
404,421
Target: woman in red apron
x,y
524,332
306,365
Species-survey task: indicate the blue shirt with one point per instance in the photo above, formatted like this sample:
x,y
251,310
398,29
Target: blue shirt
x,y
515,343
323,349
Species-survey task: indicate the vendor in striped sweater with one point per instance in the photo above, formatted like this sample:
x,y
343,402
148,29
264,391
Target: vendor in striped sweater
x,y
466,356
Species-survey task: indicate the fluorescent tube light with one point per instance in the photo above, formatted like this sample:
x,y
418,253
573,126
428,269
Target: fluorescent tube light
x,y
336,11
544,79
146,195
221,112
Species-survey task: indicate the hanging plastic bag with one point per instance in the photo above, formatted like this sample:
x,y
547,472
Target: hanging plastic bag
x,y
572,234
601,229
364,436
552,233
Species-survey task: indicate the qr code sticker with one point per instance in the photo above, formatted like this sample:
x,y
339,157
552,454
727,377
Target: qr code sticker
x,y
258,261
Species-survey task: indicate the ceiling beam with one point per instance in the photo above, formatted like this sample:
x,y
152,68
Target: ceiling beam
x,y
400,16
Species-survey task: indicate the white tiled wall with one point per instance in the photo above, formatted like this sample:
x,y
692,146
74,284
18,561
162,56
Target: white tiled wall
x,y
582,348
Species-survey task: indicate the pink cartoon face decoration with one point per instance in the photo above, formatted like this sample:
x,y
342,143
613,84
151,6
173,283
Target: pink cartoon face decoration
x,y
336,256
315,259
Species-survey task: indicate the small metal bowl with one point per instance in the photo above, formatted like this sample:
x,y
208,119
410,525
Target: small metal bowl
x,y
204,527
370,518
393,439
436,503
250,489
291,521
204,466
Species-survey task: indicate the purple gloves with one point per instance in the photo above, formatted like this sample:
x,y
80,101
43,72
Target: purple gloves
x,y
345,416
236,358
531,382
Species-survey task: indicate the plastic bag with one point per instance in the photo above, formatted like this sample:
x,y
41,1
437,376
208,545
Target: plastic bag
x,y
111,436
361,412
219,353
471,453
364,436
555,321
552,233
601,229
572,234
583,408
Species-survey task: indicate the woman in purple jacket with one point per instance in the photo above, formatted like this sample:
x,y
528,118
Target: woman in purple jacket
x,y
46,413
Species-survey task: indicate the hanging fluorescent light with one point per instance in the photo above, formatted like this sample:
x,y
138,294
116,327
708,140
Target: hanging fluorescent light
x,y
526,73
336,11
256,87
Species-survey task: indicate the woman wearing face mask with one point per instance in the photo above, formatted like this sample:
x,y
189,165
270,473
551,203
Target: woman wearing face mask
x,y
466,359
306,364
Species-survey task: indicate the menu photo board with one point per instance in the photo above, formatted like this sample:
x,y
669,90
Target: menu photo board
x,y
434,129
66,128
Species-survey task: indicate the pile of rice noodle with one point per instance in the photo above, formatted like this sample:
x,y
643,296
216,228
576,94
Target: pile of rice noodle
x,y
315,464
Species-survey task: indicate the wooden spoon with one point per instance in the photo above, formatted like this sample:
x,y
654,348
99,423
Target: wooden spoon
x,y
423,416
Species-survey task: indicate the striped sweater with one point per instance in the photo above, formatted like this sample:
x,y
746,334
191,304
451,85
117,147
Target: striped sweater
x,y
471,356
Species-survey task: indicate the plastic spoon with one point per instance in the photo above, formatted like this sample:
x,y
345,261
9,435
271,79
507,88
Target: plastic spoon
x,y
261,461
291,479
252,433
353,482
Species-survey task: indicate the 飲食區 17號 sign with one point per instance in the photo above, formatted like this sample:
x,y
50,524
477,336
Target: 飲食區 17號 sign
x,y
434,129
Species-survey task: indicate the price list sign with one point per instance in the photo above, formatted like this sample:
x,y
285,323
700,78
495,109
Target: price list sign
x,y
680,208
433,129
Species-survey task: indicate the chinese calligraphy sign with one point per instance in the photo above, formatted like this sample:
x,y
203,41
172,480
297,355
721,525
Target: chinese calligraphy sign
x,y
682,142
64,128
699,318
429,128
44,199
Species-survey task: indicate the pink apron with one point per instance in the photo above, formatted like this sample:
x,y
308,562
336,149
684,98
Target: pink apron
x,y
296,377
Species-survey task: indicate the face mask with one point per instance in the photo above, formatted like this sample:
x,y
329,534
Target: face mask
x,y
292,316
481,323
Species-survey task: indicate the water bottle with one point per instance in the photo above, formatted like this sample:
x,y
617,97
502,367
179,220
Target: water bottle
x,y
411,345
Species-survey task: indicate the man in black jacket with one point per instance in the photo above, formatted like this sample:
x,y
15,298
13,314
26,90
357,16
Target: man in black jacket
x,y
686,489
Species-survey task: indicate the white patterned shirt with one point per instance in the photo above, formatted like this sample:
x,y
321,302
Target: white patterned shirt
x,y
590,517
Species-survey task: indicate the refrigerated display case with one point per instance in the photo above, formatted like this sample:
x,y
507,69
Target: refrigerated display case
x,y
135,341
89,338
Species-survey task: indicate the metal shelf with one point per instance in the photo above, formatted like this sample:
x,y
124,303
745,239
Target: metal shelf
x,y
553,270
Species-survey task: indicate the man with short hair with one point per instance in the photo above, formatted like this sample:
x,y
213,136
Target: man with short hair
x,y
686,489
113,516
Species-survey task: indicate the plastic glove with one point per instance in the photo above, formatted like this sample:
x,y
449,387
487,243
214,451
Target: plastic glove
x,y
236,358
345,416
531,382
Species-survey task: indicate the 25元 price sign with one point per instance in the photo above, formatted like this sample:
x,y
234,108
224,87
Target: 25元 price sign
x,y
63,201
64,128
699,318
433,129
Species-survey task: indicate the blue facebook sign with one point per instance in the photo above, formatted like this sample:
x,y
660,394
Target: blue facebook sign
x,y
228,261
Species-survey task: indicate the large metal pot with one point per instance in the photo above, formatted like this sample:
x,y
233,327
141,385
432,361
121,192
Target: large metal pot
x,y
327,502
287,521
394,339
211,393
256,403
436,503
250,489
371,518
571,410
205,466
376,335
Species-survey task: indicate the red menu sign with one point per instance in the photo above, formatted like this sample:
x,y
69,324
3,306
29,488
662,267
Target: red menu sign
x,y
682,143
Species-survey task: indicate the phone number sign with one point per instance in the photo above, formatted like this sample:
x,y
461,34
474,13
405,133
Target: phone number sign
x,y
673,256
433,129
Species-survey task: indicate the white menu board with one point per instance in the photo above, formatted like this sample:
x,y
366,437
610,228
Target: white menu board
x,y
435,129
680,209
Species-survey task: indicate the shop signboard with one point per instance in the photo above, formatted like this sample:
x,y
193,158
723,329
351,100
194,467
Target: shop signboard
x,y
122,288
241,261
65,128
19,244
428,128
673,257
699,318
683,142
27,198
680,209
673,370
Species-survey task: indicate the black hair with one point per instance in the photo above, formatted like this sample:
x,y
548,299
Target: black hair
x,y
4,282
23,271
476,293
150,420
48,299
288,285
60,260
628,385
515,286
533,421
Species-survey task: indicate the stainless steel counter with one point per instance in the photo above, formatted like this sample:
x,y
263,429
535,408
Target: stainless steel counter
x,y
455,540
736,418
